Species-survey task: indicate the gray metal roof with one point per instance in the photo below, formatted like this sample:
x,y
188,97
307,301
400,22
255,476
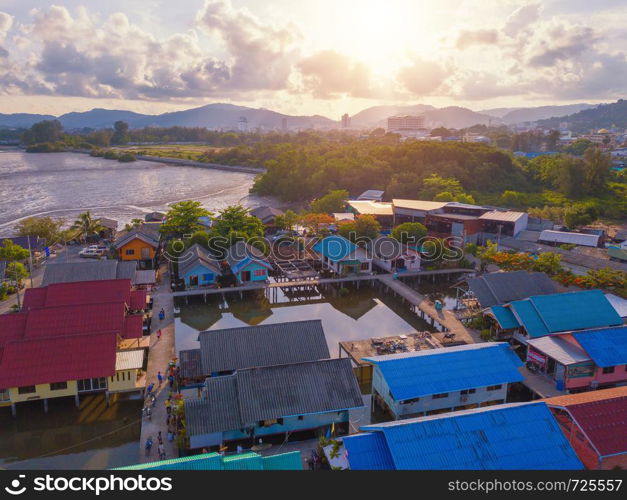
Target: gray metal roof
x,y
67,272
148,232
266,214
189,361
499,288
262,345
217,410
242,250
197,254
235,401
559,349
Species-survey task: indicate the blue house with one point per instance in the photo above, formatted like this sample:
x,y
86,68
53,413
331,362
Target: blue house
x,y
542,315
520,436
443,380
197,267
342,256
247,264
273,400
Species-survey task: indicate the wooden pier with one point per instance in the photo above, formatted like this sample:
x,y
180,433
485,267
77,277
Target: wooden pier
x,y
450,329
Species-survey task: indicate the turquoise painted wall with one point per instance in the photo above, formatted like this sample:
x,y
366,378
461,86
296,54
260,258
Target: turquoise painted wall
x,y
200,270
252,267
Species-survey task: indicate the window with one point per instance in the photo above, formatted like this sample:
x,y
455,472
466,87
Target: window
x,y
130,251
28,389
365,266
207,277
58,386
494,387
608,369
260,272
440,396
468,391
301,417
92,384
268,423
4,395
409,401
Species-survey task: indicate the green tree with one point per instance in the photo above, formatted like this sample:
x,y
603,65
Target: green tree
x,y
16,272
597,170
435,184
182,218
86,226
404,185
444,196
120,133
235,222
286,221
548,262
44,131
11,252
578,147
364,227
332,202
409,232
44,227
199,237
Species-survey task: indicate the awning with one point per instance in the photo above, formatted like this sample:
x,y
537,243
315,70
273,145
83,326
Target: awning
x,y
560,350
129,360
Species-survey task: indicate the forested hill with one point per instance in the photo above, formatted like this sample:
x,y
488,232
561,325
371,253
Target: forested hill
x,y
602,116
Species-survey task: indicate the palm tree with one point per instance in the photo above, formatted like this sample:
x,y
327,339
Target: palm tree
x,y
133,224
85,226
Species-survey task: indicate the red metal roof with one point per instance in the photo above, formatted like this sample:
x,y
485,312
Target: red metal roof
x,y
73,357
137,300
604,422
601,415
72,320
12,326
79,293
133,327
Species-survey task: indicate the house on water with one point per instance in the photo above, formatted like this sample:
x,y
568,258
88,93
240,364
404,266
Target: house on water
x,y
342,256
517,436
141,244
297,398
247,264
595,424
197,267
224,351
443,380
393,256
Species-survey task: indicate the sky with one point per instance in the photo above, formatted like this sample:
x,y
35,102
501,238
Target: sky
x,y
306,57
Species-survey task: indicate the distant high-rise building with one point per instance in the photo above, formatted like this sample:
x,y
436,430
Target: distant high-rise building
x,y
346,121
242,124
406,124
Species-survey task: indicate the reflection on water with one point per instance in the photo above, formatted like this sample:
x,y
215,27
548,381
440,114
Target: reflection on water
x,y
92,437
363,313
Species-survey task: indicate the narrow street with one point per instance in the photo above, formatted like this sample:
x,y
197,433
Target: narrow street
x,y
160,354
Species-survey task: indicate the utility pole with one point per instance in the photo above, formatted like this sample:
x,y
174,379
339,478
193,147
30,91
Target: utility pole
x,y
30,262
17,289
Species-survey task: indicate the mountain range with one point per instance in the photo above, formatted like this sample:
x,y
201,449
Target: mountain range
x,y
227,116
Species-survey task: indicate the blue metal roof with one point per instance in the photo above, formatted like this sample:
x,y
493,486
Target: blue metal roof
x,y
505,437
505,317
335,248
422,373
214,461
283,461
368,451
606,347
561,312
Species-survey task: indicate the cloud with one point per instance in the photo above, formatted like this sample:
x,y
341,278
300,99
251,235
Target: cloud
x,y
466,38
521,18
329,75
423,77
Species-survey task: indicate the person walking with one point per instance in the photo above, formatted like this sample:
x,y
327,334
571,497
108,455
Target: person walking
x,y
160,438
159,376
148,445
159,334
171,380
161,449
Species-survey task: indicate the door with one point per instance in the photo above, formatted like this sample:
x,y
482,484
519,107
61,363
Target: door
x,y
245,275
145,253
193,280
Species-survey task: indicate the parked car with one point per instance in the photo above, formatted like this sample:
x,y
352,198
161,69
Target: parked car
x,y
90,253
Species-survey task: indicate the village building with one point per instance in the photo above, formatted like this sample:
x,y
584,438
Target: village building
x,y
215,461
493,289
383,212
197,267
595,424
585,360
342,256
297,398
109,228
556,238
429,382
227,350
551,314
267,215
517,436
68,350
140,244
69,272
393,256
247,264
371,195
